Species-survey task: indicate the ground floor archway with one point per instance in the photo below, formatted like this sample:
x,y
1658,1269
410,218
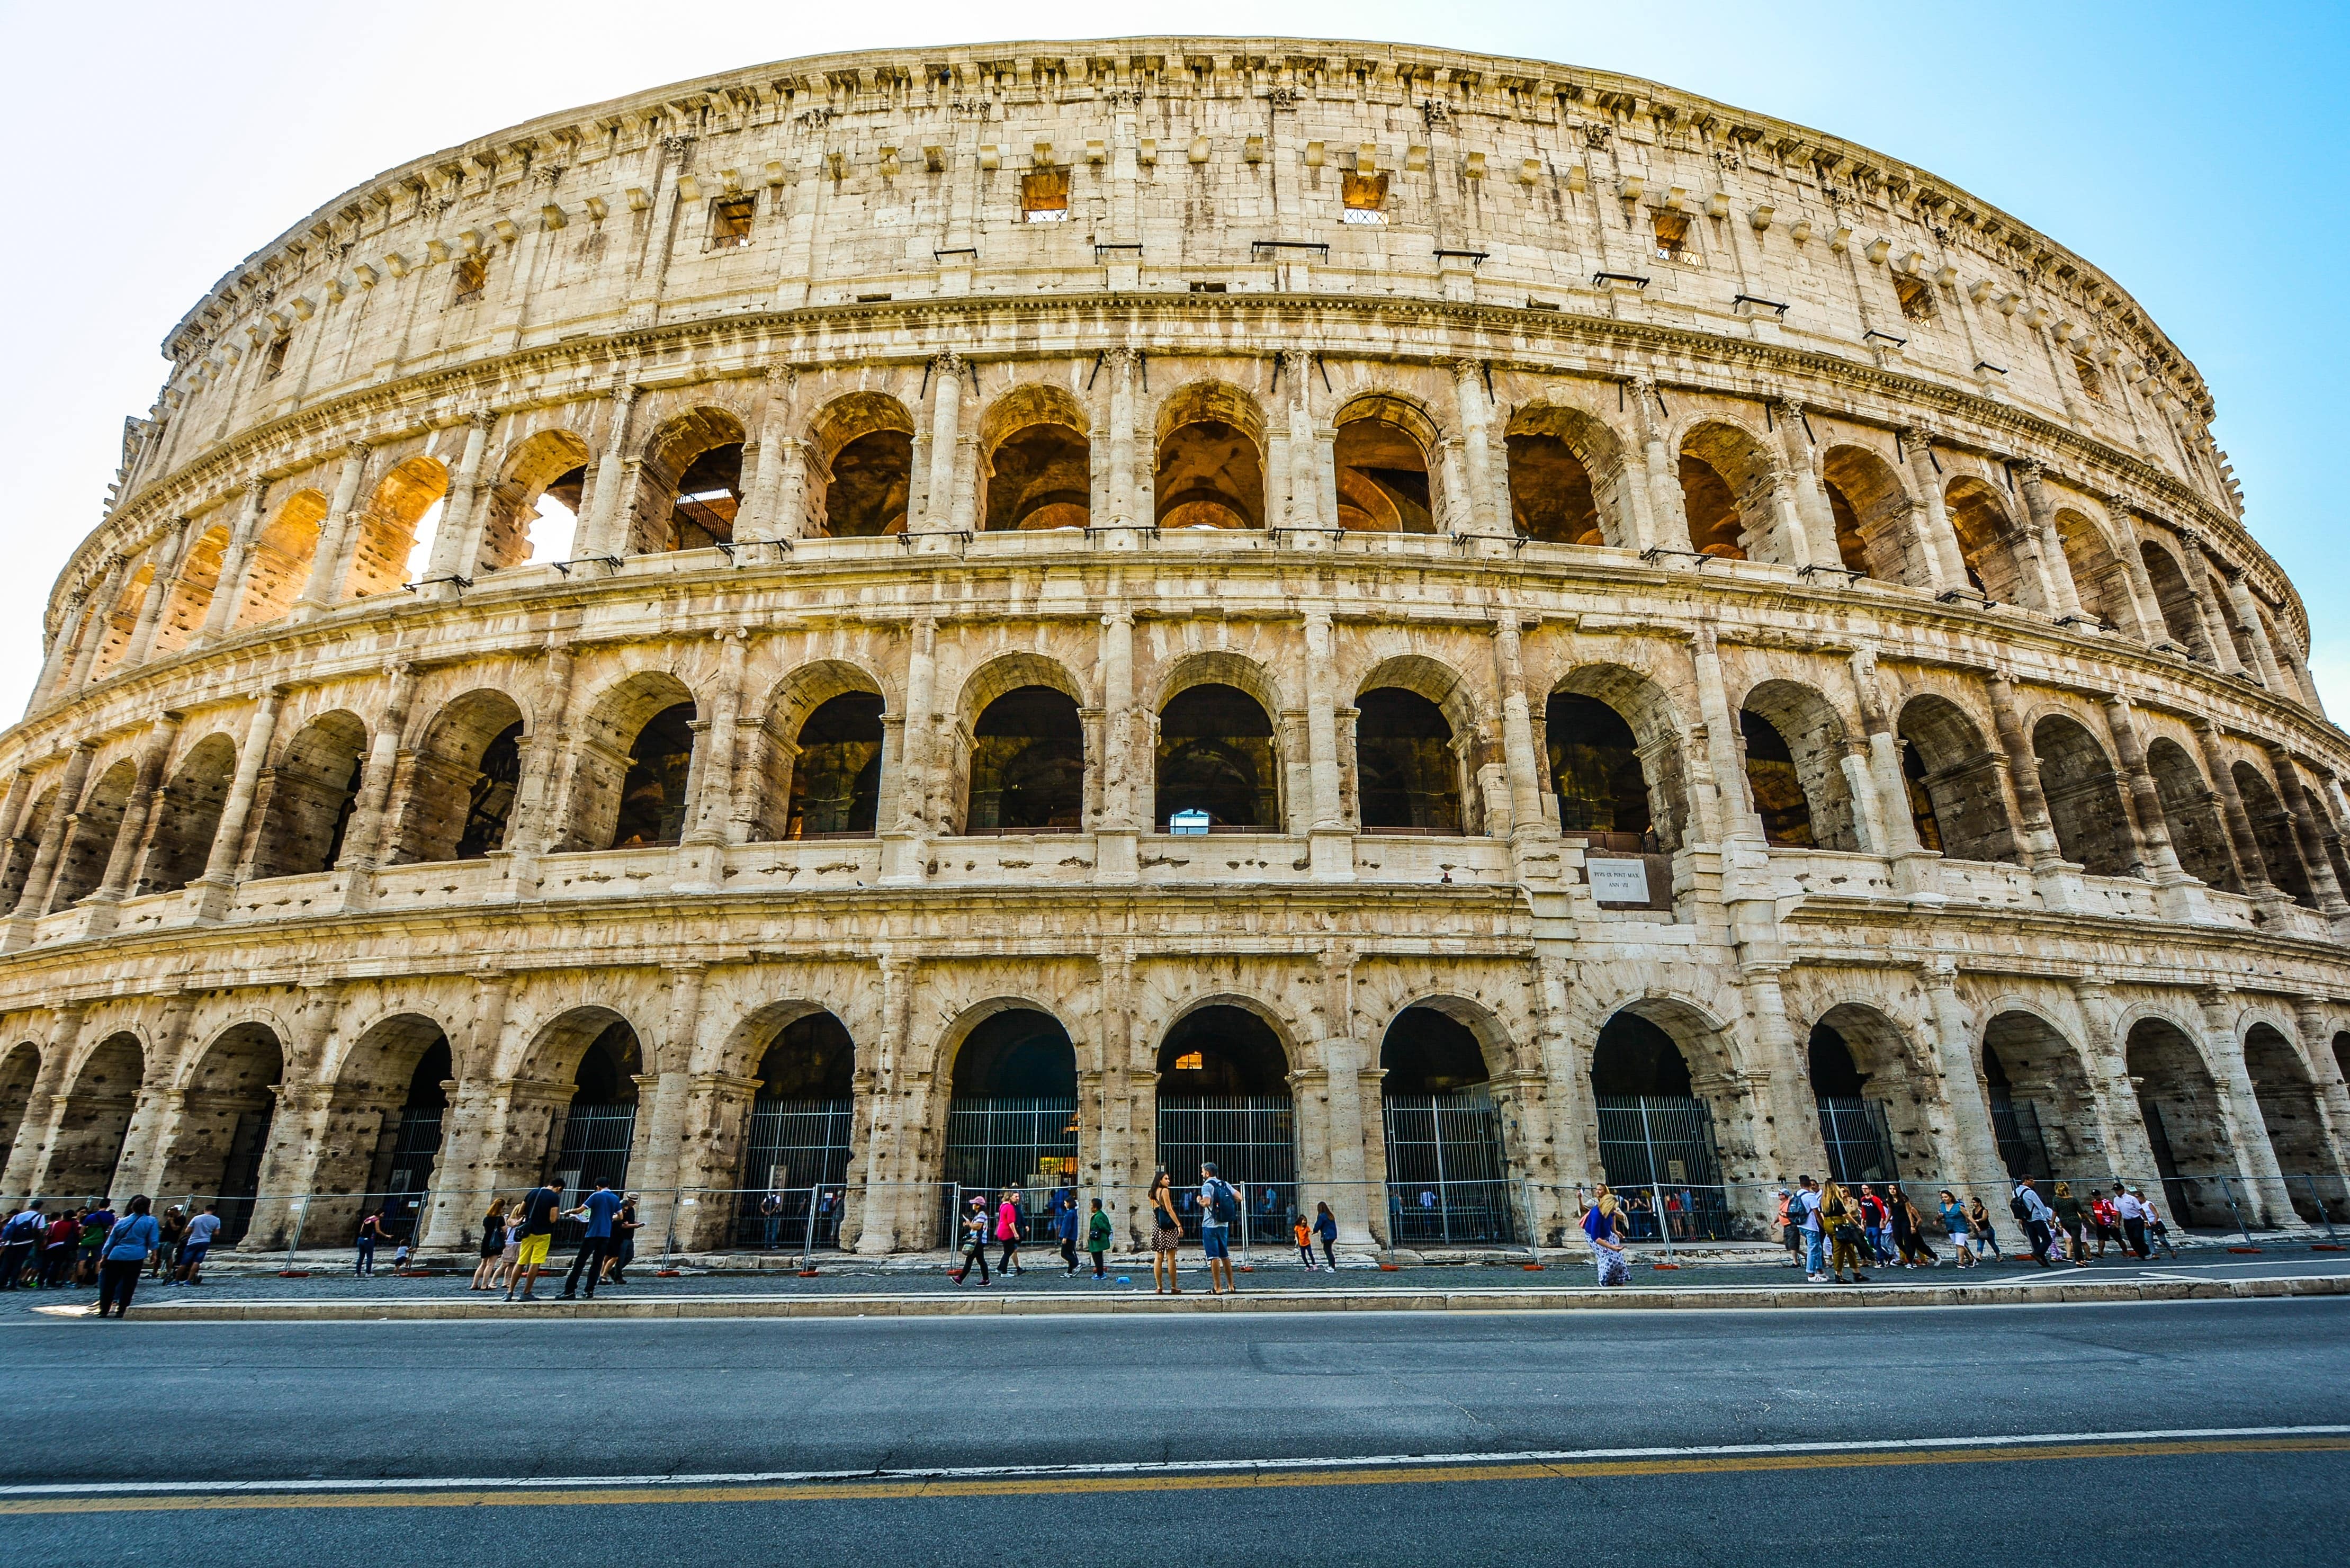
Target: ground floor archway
x,y
1224,1099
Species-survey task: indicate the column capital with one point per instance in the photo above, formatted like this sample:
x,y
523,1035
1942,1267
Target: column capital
x,y
948,363
1125,357
482,419
356,451
1919,435
257,487
782,375
1466,367
2119,503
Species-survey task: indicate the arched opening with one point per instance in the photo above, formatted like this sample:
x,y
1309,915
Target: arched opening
x,y
1381,463
865,446
801,1137
600,1124
19,1067
1874,1095
2098,579
1407,767
1216,756
312,791
2085,799
1726,492
1955,786
114,628
1656,1142
1448,1175
2044,1114
837,776
1987,541
187,815
89,843
2183,1124
1028,764
1210,466
25,846
1013,1118
97,1118
1038,463
224,1128
1613,750
652,793
1225,1100
1794,747
389,527
2190,808
2289,1113
462,781
533,514
1871,508
1561,461
2182,618
2272,833
1852,1123
690,486
196,579
633,764
279,561
410,1140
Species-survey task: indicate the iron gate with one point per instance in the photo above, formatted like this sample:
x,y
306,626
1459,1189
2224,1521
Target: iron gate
x,y
2015,1128
1253,1144
1448,1175
414,1150
995,1144
1661,1146
1860,1140
595,1148
798,1150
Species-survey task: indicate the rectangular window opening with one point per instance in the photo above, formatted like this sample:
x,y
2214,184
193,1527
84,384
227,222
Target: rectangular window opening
x,y
729,222
275,361
1045,197
473,279
1207,289
1363,198
2092,382
1673,237
1916,297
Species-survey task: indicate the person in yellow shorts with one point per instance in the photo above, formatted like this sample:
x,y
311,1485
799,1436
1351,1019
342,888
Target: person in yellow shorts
x,y
540,1207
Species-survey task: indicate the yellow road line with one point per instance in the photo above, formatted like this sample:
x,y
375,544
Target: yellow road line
x,y
1062,1486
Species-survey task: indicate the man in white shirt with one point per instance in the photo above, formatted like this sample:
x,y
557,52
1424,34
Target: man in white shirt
x,y
2036,1215
1807,1207
197,1242
2133,1215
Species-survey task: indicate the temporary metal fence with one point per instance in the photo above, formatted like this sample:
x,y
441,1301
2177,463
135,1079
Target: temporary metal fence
x,y
802,1149
1252,1140
1663,1144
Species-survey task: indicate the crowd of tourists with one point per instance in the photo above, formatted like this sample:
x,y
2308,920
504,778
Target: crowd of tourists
x,y
91,1244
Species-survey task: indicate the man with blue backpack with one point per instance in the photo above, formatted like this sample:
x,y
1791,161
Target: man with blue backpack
x,y
1219,1207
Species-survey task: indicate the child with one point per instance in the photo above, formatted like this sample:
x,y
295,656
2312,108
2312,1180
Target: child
x,y
1303,1235
399,1258
1097,1232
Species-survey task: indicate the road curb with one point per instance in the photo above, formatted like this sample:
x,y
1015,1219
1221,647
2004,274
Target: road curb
x,y
1715,1298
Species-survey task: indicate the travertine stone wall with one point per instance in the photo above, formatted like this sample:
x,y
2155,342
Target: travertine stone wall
x,y
1972,724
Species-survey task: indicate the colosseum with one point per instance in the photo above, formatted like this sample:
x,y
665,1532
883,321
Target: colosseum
x,y
1435,630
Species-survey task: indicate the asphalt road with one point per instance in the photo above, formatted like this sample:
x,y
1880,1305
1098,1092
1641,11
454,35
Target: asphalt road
x,y
96,1406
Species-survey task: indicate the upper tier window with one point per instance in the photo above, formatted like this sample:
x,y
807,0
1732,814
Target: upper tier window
x,y
1916,295
1045,197
1364,198
473,279
1673,237
729,222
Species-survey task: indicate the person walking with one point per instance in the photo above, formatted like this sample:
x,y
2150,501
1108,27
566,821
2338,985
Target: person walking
x,y
1877,1224
1791,1228
493,1242
1840,1212
1098,1239
20,1239
2034,1212
1805,1208
58,1249
1600,1227
1008,1225
1303,1234
624,1240
129,1245
371,1232
1326,1228
198,1242
1165,1233
1981,1231
540,1206
1954,1225
1218,1206
2154,1228
1064,1225
2132,1211
96,1223
2073,1219
599,1208
974,1238
2102,1220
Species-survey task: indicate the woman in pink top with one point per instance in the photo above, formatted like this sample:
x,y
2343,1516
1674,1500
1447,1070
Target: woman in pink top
x,y
1007,1230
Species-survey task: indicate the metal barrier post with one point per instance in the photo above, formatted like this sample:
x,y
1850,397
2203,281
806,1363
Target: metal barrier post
x,y
807,1232
1240,1195
2228,1191
300,1216
2324,1218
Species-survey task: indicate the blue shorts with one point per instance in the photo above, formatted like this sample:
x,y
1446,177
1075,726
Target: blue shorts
x,y
1216,1242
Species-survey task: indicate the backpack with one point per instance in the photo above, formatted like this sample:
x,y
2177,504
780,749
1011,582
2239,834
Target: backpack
x,y
2016,1206
1222,1201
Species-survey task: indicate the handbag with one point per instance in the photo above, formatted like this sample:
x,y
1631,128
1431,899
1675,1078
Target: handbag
x,y
1848,1234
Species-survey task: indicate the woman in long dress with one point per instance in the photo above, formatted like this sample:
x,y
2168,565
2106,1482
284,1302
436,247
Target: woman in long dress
x,y
1602,1223
1166,1232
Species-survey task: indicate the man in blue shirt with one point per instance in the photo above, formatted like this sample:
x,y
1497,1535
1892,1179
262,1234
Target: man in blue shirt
x,y
597,1208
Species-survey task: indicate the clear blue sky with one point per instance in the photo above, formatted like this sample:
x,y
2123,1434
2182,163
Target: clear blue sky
x,y
2195,152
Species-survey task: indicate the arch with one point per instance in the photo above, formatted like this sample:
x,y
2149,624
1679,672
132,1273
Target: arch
x,y
2183,1126
2099,578
689,484
1012,1114
2190,808
115,628
598,1053
26,847
2044,1111
863,450
2182,617
1428,1050
1726,479
390,1095
1223,1048
1614,748
2085,799
186,813
1027,763
1037,460
1225,1100
810,1057
1794,747
1380,459
1872,1087
1987,541
1566,477
229,1100
311,793
1015,1053
1216,753
1657,1116
2272,834
1872,508
460,785
2239,636
385,532
836,778
802,1131
635,762
20,1068
532,513
1209,472
97,822
1411,770
1957,799
100,1095
1447,1169
279,561
194,580
2296,1126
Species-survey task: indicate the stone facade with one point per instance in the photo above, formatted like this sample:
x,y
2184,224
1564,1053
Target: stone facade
x,y
872,492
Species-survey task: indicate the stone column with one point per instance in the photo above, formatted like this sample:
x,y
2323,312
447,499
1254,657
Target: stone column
x,y
34,901
2121,1129
1817,517
2152,630
306,1101
154,1119
1574,1119
1946,564
887,1139
2248,615
758,522
94,626
1782,1085
362,840
228,593
2302,814
1524,764
1489,503
904,845
2240,1111
212,891
2198,572
2333,1094
533,829
28,1154
946,418
1668,513
1126,772
62,652
710,1150
1344,1058
715,803
331,563
654,1167
2040,848
1124,511
2065,601
1913,863
1722,745
457,547
168,554
1974,1161
596,534
2151,826
1331,836
461,1190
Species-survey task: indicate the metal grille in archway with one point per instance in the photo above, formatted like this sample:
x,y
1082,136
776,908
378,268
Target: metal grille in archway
x,y
1860,1140
1027,1144
595,1148
1448,1176
798,1150
414,1150
2015,1128
1252,1140
1662,1146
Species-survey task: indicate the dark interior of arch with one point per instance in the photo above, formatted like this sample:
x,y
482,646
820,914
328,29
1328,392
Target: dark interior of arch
x,y
1551,496
187,818
1382,479
1222,1051
811,1058
1209,476
2272,833
1595,766
1407,775
2176,600
1017,1055
1028,763
1216,756
872,477
2085,799
1040,476
1429,1053
2190,810
2288,1114
709,495
1954,783
1835,1075
2180,1107
652,795
1777,788
434,1068
837,777
1852,548
2342,1052
490,800
607,1070
1634,1056
1715,528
